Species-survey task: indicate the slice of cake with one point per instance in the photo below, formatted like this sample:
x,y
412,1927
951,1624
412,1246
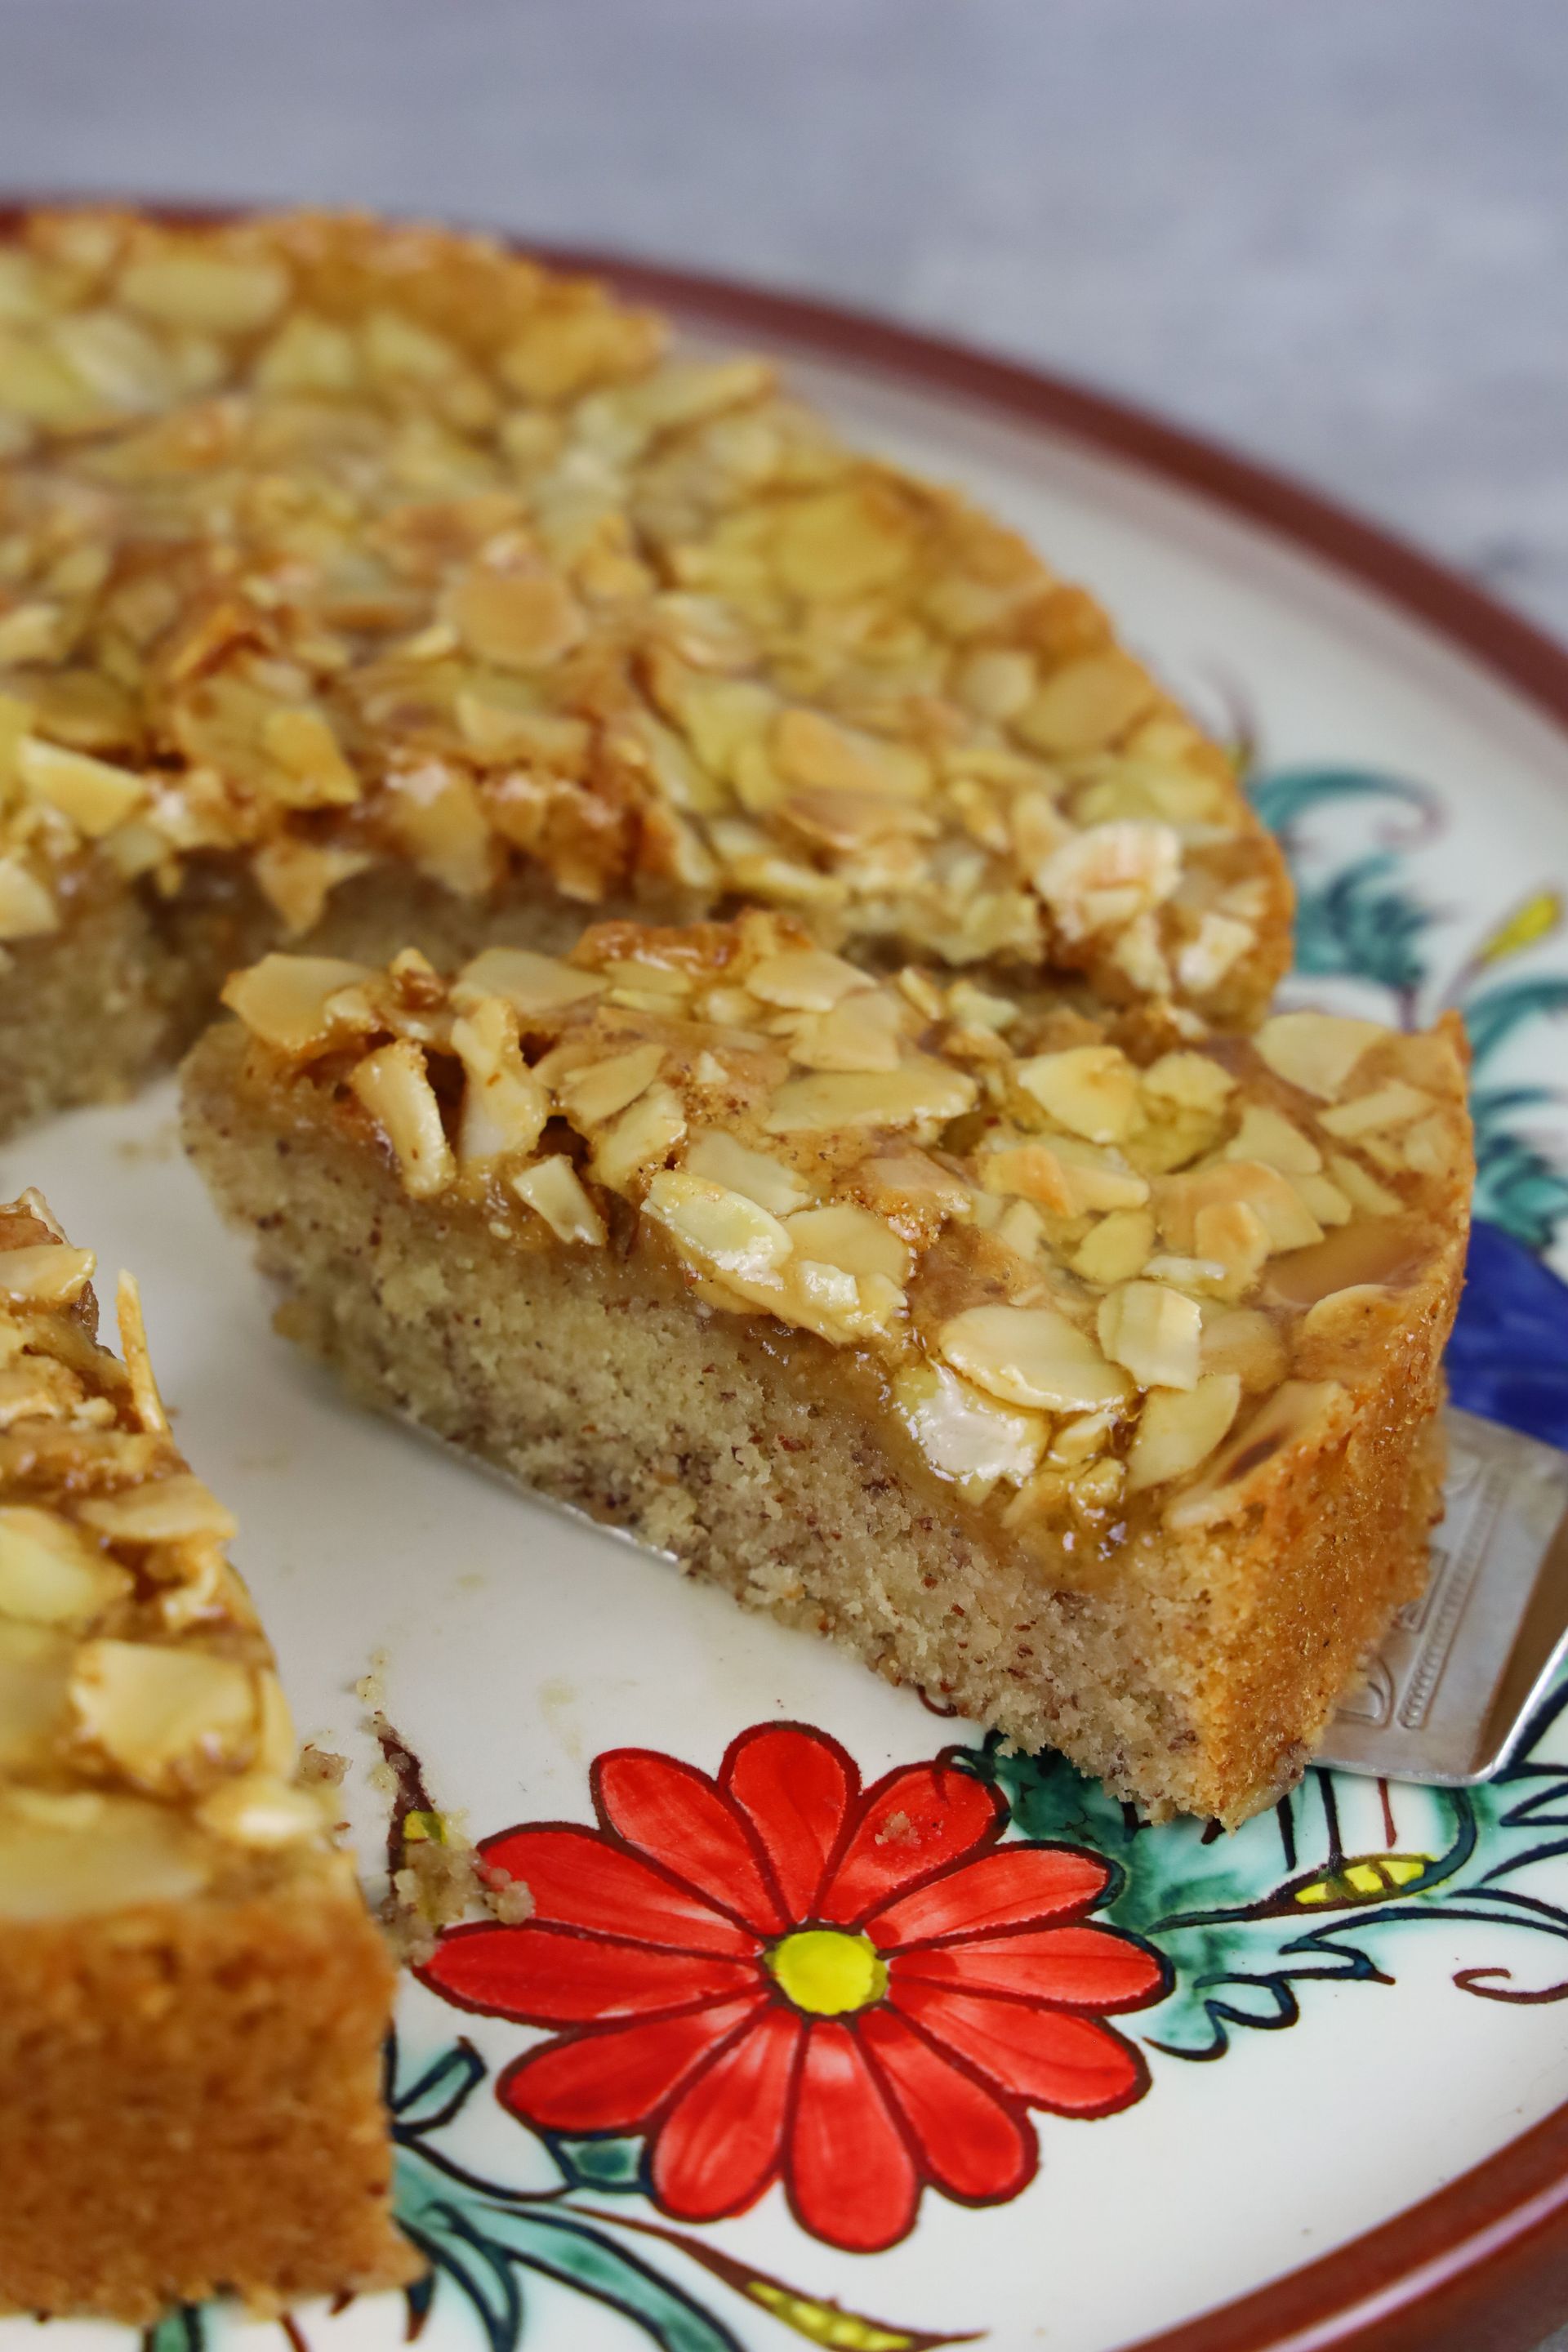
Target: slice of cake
x,y
192,1997
1087,1381
370,586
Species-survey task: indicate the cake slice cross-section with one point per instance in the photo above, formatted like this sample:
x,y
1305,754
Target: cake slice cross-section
x,y
1088,1380
193,1996
367,586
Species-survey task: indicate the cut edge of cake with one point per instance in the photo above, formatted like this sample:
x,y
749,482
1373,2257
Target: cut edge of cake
x,y
1087,1381
194,1999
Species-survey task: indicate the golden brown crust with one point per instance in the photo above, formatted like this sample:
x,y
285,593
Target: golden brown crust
x,y
335,551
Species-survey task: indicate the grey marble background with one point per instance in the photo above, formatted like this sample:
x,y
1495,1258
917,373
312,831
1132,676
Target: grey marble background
x,y
1334,232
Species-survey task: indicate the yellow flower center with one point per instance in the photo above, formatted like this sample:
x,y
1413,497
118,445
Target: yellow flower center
x,y
826,1972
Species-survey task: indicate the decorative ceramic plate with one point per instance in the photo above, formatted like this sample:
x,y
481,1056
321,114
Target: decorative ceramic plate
x,y
1298,2080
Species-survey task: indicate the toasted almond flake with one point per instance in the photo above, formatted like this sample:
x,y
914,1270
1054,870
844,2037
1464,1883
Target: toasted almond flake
x,y
1316,1051
862,1033
518,620
1107,875
1097,1180
1153,1332
641,1138
1343,1316
1022,1227
393,1086
922,1093
978,1008
718,1157
1179,1199
226,295
288,1001
1031,1356
1178,1429
1085,704
600,1089
962,1432
176,1509
1116,1248
504,1105
1385,1109
722,1228
1266,1134
27,907
552,1188
46,1273
1434,1146
1255,1454
844,1235
1192,1080
1091,1090
1231,1233
305,748
1323,1200
440,821
162,1713
261,1810
94,794
148,1403
1077,1441
530,983
1034,1172
1362,1188
48,1576
73,1855
1206,1275
35,632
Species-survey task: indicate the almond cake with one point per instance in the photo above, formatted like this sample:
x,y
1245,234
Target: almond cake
x,y
1084,1376
193,1997
368,587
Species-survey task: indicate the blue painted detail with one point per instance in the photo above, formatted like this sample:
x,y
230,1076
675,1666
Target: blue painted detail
x,y
1507,1358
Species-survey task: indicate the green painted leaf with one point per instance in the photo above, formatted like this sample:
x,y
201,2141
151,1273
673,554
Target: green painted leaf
x,y
184,2329
1283,796
437,2095
1361,924
613,2164
1495,1015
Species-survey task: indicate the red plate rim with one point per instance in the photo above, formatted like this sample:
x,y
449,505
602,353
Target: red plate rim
x,y
1482,2265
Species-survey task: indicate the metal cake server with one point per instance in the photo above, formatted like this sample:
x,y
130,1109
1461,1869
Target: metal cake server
x,y
1449,1696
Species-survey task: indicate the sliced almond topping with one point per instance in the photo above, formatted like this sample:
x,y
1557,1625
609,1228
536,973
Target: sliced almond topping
x,y
178,1509
1091,1090
504,1105
1034,1172
1295,1412
1316,1051
1116,1248
1154,1332
95,795
1022,1227
1344,1316
1323,1200
1107,875
393,1086
161,1714
440,821
1178,1200
1180,1428
862,1033
1385,1109
48,1576
35,1675
1031,1356
530,983
964,1433
260,1811
844,1235
305,748
1085,703
1231,1233
1264,1134
287,1001
1362,1188
552,1188
722,1228
1207,1276
69,1857
1434,1147
643,1137
27,909
1097,1180
46,1273
223,294
599,1089
717,1156
921,1095
1192,1080
1079,1440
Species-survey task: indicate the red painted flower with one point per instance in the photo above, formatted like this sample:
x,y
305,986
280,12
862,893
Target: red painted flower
x,y
775,1974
